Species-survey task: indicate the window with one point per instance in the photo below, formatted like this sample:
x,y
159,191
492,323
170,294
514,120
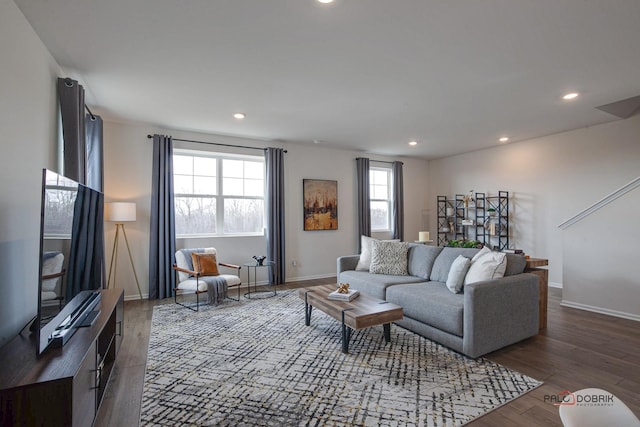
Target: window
x,y
218,194
380,198
59,203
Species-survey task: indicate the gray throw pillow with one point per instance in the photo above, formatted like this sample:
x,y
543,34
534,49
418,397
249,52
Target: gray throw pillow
x,y
389,258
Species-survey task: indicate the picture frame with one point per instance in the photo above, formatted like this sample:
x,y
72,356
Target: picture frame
x,y
320,204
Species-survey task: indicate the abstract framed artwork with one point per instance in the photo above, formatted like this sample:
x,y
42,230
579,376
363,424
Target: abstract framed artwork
x,y
320,204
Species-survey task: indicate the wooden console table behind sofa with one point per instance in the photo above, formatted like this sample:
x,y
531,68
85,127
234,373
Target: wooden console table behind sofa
x,y
533,266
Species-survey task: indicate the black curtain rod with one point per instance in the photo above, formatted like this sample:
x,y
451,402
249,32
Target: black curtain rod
x,y
380,161
93,117
215,143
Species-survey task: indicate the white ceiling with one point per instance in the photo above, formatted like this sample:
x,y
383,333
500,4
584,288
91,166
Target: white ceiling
x,y
369,75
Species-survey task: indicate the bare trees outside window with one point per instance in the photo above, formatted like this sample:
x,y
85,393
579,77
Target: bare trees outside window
x,y
218,194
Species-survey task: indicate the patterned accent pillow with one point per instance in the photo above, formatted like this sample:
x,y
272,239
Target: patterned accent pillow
x,y
205,263
364,262
389,257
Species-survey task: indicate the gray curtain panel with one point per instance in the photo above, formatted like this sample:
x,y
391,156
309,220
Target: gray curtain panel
x,y
397,224
85,270
71,97
364,205
95,174
162,246
274,159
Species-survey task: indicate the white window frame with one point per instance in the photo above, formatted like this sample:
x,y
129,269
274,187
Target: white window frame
x,y
218,196
387,200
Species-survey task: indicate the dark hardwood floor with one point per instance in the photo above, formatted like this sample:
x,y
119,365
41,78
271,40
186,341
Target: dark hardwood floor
x,y
578,350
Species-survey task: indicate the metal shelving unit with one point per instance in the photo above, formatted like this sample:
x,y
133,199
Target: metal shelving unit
x,y
479,223
498,230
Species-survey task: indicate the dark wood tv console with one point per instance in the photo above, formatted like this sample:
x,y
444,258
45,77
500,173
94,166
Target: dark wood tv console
x,y
63,386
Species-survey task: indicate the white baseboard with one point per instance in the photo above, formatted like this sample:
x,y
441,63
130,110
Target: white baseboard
x,y
555,285
133,297
600,310
302,278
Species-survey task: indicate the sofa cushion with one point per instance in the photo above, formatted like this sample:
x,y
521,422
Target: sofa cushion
x,y
442,264
421,259
515,264
458,272
430,303
374,285
491,265
389,257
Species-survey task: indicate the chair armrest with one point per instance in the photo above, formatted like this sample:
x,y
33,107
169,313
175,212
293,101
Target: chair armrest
x,y
224,264
54,275
184,270
500,312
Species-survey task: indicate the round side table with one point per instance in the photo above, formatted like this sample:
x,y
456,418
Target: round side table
x,y
256,293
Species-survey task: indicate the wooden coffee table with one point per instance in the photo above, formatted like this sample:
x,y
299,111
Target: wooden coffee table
x,y
362,312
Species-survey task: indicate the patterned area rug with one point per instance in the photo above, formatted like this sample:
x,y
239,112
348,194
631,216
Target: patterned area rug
x,y
255,363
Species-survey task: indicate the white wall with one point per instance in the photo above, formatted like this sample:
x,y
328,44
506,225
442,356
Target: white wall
x,y
28,133
128,155
600,259
550,180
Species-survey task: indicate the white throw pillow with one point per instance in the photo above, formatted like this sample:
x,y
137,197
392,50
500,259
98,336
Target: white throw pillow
x,y
365,253
457,273
491,265
482,252
389,257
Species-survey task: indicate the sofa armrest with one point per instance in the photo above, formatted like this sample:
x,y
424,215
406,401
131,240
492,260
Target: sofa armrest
x,y
500,312
348,262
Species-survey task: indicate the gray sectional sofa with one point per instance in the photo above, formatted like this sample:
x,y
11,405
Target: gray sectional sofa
x,y
486,316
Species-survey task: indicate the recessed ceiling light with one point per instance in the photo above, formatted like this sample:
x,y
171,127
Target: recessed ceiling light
x,y
413,143
325,1
570,96
504,139
239,116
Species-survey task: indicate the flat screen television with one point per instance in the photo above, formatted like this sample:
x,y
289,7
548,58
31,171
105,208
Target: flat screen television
x,y
71,270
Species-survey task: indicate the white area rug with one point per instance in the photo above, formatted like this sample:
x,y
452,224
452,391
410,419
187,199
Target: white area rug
x,y
255,363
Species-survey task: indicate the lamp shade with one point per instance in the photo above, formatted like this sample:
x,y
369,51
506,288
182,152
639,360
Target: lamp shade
x,y
120,211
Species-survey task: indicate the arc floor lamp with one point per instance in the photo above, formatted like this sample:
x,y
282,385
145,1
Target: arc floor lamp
x,y
120,212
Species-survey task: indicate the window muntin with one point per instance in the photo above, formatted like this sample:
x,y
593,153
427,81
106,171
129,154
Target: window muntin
x,y
242,178
218,194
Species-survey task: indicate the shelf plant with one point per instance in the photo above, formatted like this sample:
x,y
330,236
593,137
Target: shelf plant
x,y
465,244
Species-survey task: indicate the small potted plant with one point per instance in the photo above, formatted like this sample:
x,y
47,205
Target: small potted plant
x,y
491,212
